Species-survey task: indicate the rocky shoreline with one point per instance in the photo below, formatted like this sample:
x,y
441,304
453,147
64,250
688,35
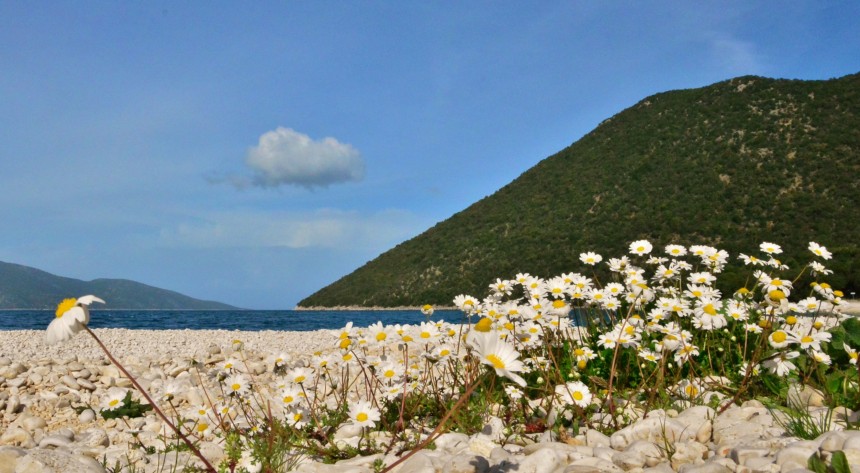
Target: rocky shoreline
x,y
41,431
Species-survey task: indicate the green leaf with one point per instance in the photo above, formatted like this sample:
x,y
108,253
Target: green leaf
x,y
839,462
852,332
816,464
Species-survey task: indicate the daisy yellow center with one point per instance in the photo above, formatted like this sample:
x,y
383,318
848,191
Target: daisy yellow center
x,y
347,356
202,426
235,386
64,306
300,379
791,320
496,361
630,329
579,352
484,324
779,336
389,374
445,352
558,303
807,339
425,334
407,338
776,282
818,324
577,395
113,402
288,399
427,307
581,364
776,295
640,248
345,343
691,390
361,417
298,416
697,293
509,326
709,309
381,336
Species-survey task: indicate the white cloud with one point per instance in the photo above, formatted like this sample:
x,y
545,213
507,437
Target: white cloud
x,y
329,228
286,157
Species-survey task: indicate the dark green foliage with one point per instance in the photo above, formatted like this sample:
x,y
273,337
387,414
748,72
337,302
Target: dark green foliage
x,y
729,165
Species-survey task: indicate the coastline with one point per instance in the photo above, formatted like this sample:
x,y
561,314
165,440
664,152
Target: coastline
x,y
356,308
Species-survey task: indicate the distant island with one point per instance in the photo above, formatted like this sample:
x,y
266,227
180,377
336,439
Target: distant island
x,y
23,287
730,165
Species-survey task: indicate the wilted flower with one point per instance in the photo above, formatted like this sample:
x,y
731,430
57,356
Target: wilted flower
x,y
72,316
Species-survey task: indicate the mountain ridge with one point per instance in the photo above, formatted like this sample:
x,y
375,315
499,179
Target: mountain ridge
x,y
25,287
732,164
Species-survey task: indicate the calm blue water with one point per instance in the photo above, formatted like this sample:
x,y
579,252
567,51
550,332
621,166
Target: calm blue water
x,y
226,320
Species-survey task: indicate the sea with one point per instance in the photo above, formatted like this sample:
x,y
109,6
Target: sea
x,y
250,320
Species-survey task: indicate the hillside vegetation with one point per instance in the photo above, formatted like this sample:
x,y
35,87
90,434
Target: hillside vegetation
x,y
729,165
23,287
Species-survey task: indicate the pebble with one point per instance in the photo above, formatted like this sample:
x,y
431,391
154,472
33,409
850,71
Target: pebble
x,y
39,429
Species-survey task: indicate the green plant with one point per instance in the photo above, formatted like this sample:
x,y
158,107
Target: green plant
x,y
838,463
130,408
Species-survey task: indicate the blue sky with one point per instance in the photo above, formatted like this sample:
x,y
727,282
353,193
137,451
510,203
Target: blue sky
x,y
253,154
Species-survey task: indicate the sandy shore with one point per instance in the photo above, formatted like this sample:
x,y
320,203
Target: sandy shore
x,y
29,345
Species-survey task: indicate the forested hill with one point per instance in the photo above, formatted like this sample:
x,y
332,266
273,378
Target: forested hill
x,y
23,287
730,165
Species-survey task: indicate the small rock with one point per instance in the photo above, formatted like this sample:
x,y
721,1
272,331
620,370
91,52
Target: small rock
x,y
86,416
9,457
687,452
467,463
545,460
740,455
804,397
70,382
31,423
55,441
57,461
595,438
452,442
831,441
17,436
798,454
86,384
93,438
650,452
628,460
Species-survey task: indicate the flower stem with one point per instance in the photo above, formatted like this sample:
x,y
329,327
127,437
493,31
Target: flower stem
x,y
438,430
152,403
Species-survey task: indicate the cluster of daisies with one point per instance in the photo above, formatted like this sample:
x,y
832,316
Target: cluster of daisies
x,y
664,307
